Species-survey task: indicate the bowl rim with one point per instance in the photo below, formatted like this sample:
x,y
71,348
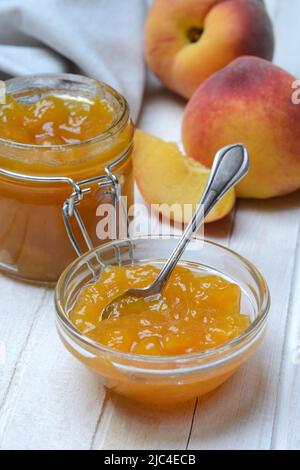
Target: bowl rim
x,y
231,348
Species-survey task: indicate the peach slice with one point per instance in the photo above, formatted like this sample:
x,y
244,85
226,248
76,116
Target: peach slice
x,y
172,182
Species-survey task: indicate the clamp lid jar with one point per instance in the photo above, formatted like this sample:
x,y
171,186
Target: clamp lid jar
x,y
47,188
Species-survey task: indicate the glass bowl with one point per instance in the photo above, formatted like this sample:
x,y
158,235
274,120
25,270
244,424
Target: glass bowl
x,y
164,380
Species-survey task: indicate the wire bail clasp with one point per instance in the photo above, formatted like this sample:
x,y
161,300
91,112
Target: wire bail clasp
x,y
80,189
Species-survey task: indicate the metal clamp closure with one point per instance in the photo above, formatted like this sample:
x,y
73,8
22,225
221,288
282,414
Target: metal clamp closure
x,y
70,207
79,190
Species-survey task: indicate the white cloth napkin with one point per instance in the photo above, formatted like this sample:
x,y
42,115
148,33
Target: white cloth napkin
x,y
102,39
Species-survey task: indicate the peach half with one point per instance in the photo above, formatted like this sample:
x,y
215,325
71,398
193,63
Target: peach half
x,y
171,182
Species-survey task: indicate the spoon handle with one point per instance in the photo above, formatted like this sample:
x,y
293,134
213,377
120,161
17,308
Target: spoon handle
x,y
230,165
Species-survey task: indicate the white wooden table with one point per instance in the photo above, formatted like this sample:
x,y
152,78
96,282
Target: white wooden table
x,y
49,401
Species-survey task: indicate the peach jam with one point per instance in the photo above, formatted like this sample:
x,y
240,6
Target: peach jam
x,y
57,133
54,119
195,313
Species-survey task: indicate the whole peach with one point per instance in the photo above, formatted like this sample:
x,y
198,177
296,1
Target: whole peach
x,y
186,41
249,101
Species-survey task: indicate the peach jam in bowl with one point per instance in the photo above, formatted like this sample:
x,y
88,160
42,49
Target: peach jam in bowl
x,y
160,355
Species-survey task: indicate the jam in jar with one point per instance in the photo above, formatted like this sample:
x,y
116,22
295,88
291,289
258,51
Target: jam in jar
x,y
58,134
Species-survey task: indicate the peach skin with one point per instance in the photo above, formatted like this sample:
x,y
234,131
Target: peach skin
x,y
186,41
249,101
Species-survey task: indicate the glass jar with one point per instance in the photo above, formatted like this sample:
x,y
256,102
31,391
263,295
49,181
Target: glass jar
x,y
44,189
164,380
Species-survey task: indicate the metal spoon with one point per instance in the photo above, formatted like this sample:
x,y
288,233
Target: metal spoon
x,y
230,165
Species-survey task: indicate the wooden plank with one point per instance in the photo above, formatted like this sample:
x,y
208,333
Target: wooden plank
x,y
290,395
54,401
241,414
285,15
126,425
286,429
162,111
273,417
20,307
